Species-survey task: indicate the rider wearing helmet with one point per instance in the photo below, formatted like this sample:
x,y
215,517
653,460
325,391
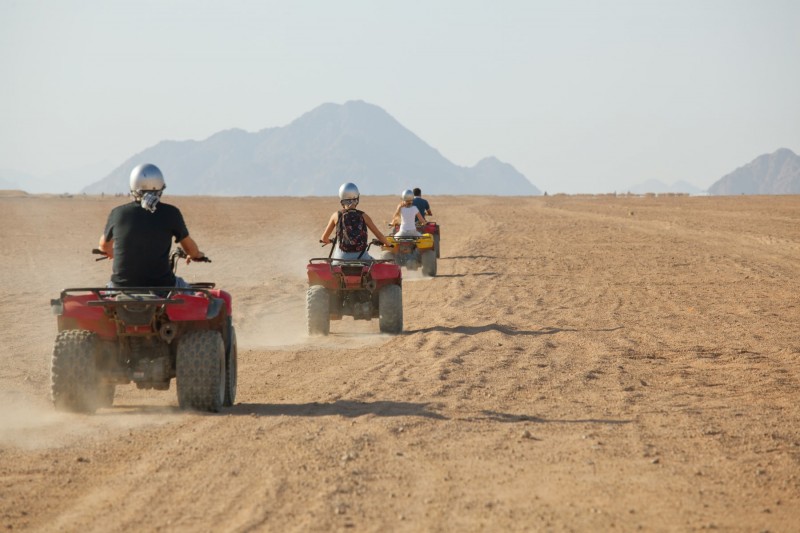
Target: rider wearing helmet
x,y
407,215
138,235
421,203
351,227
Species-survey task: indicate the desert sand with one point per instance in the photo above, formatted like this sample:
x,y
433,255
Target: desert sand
x,y
580,363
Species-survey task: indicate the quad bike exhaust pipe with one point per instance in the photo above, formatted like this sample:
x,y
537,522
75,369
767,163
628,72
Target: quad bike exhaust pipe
x,y
167,332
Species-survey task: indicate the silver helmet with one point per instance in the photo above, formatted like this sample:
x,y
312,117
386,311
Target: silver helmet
x,y
348,191
146,177
407,195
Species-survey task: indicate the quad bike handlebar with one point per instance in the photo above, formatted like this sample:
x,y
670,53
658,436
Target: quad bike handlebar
x,y
180,253
330,257
177,253
373,242
98,251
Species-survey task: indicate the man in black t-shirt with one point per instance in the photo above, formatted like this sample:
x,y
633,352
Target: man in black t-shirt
x,y
138,235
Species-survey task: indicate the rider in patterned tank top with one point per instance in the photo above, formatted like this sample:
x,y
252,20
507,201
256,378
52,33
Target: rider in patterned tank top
x,y
351,227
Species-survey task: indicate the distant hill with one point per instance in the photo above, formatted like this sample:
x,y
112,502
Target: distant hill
x,y
312,156
66,180
659,187
7,184
775,173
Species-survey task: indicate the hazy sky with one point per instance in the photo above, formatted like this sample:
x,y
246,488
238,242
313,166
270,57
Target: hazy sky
x,y
580,96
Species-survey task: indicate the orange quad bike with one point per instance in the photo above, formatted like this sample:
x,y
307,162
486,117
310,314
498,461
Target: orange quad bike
x,y
413,252
148,336
361,288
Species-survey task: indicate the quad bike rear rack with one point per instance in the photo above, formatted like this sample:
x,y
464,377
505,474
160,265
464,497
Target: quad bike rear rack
x,y
348,262
214,305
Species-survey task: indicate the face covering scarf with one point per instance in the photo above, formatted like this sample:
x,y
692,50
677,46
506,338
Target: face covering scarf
x,y
150,200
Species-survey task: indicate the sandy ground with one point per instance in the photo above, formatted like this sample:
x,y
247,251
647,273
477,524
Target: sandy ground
x,y
579,364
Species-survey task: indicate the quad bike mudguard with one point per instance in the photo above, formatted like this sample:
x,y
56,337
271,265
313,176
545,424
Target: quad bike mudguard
x,y
337,274
421,243
430,227
74,312
91,308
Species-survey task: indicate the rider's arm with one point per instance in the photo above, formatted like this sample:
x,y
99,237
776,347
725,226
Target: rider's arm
x,y
191,249
106,246
326,235
420,217
374,229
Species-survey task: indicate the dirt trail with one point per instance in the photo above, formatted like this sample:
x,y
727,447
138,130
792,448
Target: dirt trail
x,y
579,363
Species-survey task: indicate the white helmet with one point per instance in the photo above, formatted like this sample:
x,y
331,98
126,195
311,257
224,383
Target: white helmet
x,y
348,191
146,177
407,195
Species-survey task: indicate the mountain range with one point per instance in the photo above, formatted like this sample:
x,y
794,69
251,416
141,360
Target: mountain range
x,y
312,156
775,173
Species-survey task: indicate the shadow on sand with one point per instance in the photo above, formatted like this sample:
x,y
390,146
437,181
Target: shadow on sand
x,y
506,330
509,418
465,275
353,409
346,408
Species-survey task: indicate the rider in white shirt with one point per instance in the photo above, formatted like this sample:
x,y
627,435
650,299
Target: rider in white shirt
x,y
407,215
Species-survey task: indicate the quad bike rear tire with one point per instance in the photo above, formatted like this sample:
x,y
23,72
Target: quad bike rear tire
x,y
436,244
428,260
73,372
390,309
318,311
200,371
231,365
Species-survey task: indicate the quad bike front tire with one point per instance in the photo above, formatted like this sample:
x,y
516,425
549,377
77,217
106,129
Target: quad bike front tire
x,y
231,365
318,312
200,371
390,309
429,264
74,385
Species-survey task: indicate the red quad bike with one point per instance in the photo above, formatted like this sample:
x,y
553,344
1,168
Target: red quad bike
x,y
146,335
361,288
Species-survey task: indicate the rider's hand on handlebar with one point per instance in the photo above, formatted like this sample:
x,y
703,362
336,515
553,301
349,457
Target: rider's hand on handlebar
x,y
201,259
98,251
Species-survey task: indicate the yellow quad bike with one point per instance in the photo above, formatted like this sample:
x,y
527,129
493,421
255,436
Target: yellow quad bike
x,y
413,252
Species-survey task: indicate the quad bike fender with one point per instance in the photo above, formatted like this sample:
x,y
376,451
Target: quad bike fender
x,y
226,297
385,272
430,227
75,313
196,307
400,248
320,274
425,242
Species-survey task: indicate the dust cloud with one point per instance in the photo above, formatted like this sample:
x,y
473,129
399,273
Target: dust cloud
x,y
30,422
